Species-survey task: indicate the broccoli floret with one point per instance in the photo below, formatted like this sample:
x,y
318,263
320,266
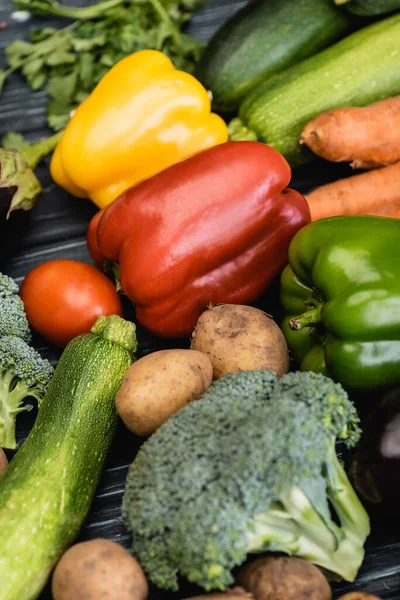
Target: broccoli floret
x,y
250,467
13,319
327,400
23,374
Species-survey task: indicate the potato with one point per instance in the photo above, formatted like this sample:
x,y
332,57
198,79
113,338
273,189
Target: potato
x,y
98,569
158,385
284,578
3,460
240,338
358,596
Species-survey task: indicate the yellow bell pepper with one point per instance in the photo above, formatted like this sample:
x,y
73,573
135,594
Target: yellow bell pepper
x,y
142,117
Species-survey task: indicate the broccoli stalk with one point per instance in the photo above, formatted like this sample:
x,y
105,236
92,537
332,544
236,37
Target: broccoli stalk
x,y
11,399
23,374
353,517
250,467
295,526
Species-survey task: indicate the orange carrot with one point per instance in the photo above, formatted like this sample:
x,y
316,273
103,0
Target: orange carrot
x,y
367,137
372,193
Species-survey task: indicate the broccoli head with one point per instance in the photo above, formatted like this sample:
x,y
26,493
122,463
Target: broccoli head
x,y
23,374
250,467
13,319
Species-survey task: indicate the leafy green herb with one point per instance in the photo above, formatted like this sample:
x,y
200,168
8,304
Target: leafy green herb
x,y
69,62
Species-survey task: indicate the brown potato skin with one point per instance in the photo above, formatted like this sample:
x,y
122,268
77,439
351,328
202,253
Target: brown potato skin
x,y
284,578
358,596
158,385
3,461
98,569
240,338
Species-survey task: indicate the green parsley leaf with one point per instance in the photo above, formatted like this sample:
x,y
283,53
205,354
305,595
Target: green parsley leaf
x,y
39,35
58,114
37,81
86,70
63,88
41,7
14,141
60,57
84,45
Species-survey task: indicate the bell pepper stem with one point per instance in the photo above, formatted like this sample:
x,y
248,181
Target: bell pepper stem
x,y
307,319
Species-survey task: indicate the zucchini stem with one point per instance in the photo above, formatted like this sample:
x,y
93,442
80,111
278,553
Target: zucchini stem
x,y
239,132
117,330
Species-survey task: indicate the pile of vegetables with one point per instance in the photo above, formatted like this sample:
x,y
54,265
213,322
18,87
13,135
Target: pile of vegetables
x,y
196,226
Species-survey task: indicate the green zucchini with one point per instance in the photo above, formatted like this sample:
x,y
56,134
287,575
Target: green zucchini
x,y
369,8
46,491
360,69
264,38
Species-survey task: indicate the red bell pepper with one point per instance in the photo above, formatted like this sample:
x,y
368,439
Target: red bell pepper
x,y
213,228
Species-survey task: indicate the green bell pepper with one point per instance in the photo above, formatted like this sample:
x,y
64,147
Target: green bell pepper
x,y
341,297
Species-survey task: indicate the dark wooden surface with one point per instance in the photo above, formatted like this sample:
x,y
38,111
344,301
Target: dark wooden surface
x,y
57,230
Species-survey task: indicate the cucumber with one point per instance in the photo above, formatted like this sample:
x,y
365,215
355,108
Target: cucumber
x,y
369,8
360,69
46,491
264,38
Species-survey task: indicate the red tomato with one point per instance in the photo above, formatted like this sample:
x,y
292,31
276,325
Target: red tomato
x,y
63,298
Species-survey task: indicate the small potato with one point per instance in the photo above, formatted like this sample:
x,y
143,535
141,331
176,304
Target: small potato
x,y
98,569
3,461
284,578
358,596
240,338
158,385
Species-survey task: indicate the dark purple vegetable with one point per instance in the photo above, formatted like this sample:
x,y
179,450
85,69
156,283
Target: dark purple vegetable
x,y
11,231
375,467
19,189
19,186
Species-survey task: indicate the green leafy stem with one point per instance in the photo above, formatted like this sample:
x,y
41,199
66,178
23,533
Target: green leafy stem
x,y
41,49
52,7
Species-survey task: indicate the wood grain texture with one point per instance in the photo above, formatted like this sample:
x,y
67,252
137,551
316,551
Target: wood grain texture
x,y
57,230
